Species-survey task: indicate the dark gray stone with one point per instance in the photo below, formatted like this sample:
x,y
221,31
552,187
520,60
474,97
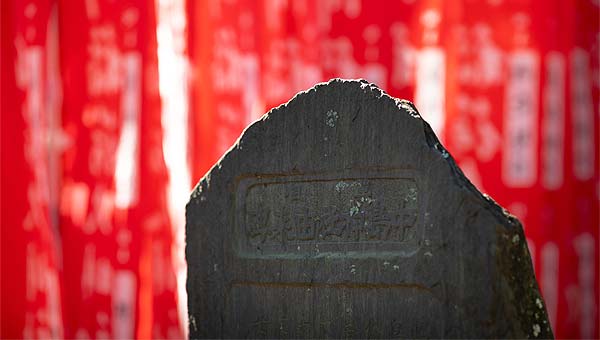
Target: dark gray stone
x,y
339,214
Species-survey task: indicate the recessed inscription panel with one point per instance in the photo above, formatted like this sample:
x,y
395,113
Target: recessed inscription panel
x,y
324,214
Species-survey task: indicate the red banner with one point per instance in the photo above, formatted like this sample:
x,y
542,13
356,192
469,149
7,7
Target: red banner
x,y
31,294
115,225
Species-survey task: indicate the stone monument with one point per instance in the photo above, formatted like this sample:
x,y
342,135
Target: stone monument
x,y
340,215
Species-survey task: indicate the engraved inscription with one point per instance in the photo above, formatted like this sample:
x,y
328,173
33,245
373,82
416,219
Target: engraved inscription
x,y
291,212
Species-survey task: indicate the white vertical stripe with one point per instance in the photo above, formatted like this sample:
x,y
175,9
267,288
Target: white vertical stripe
x,y
430,87
123,305
126,170
553,122
172,73
519,158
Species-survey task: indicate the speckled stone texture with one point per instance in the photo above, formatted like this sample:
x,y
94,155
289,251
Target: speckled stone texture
x,y
340,215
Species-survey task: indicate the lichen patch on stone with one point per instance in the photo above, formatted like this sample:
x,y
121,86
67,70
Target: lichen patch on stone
x,y
332,117
536,330
538,303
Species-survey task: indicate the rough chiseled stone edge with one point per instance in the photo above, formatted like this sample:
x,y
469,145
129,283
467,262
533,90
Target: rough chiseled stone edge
x,y
532,311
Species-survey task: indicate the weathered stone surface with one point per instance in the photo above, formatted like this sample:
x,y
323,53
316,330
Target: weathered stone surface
x,y
339,214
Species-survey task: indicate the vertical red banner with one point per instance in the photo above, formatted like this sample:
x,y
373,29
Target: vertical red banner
x,y
580,238
31,294
552,161
114,219
225,80
102,119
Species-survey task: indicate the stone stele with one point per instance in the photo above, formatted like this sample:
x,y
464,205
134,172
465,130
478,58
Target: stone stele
x,y
340,215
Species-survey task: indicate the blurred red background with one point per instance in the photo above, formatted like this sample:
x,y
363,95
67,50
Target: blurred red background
x,y
112,110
